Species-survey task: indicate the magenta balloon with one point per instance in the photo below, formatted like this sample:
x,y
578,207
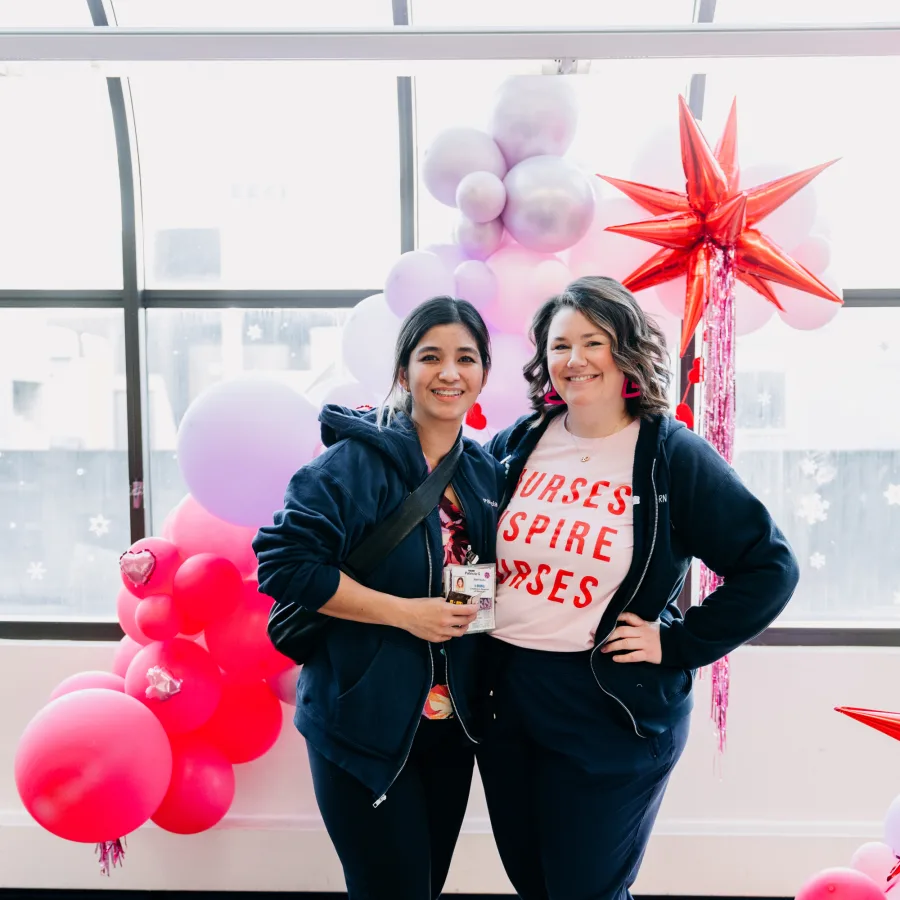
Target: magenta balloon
x,y
83,680
416,277
240,442
455,153
479,239
481,196
840,884
534,116
93,765
476,283
549,205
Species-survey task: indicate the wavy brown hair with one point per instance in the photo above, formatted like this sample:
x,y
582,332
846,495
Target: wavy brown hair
x,y
637,343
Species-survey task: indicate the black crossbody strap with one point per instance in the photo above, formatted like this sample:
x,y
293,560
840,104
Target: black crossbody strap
x,y
385,538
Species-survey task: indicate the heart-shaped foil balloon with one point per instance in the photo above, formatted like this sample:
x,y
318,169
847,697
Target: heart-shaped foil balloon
x,y
137,566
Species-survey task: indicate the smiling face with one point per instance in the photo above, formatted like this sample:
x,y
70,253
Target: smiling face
x,y
445,374
580,361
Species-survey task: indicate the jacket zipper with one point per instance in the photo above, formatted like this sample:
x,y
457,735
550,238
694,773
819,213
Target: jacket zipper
x,y
631,599
447,655
383,797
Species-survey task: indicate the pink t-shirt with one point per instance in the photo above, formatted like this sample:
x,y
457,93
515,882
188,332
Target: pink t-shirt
x,y
565,542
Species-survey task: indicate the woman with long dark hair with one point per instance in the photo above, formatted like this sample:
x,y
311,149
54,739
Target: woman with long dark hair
x,y
608,501
389,699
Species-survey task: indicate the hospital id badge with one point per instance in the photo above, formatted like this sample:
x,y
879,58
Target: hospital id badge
x,y
473,585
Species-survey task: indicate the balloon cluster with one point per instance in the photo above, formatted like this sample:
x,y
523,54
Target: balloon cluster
x,y
194,690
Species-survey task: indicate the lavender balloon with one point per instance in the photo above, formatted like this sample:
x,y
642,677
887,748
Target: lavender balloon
x,y
534,115
284,685
476,283
481,196
240,442
451,255
550,203
417,276
479,239
455,153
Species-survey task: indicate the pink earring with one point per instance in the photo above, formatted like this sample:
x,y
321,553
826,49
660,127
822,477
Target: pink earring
x,y
630,389
551,398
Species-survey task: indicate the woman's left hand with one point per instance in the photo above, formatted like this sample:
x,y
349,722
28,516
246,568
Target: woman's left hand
x,y
634,640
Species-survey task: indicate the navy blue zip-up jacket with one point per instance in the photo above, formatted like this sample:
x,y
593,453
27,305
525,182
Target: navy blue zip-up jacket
x,y
688,502
360,696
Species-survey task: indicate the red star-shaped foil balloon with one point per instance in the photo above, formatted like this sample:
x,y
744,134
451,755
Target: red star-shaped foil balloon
x,y
886,722
714,211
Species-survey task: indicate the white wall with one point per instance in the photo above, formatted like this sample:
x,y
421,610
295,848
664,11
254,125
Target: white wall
x,y
800,788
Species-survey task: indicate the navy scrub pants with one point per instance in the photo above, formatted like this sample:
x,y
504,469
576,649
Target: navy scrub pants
x,y
572,790
402,849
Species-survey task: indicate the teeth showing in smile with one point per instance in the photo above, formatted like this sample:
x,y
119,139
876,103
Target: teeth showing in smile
x,y
447,393
581,378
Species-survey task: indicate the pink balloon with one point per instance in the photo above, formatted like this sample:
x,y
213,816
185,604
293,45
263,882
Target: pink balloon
x,y
505,397
126,651
148,566
814,253
476,283
93,765
239,643
455,153
201,789
206,587
284,685
178,680
672,295
875,860
791,222
157,617
415,277
479,239
451,255
194,530
840,884
752,310
126,606
246,722
523,284
84,680
806,311
481,196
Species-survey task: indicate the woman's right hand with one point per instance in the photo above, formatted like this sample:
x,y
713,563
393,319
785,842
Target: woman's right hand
x,y
434,619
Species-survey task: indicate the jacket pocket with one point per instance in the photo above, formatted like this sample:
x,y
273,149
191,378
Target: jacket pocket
x,y
376,712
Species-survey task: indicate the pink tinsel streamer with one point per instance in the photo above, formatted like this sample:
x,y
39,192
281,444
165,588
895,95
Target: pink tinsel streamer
x,y
718,429
111,854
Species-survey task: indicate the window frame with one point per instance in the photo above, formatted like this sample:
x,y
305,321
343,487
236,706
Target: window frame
x,y
134,299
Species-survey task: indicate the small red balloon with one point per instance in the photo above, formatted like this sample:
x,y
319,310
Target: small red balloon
x,y
126,606
157,617
685,414
475,418
207,587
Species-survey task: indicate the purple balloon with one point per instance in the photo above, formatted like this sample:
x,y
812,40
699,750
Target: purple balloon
x,y
417,276
534,115
479,239
505,397
550,204
284,685
476,283
240,442
455,153
451,255
481,196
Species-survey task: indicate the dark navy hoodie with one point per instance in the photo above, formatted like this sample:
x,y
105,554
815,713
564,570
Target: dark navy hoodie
x,y
688,503
360,696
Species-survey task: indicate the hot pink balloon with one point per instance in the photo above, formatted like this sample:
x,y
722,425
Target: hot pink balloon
x,y
840,884
476,283
805,311
239,643
108,681
194,530
93,765
455,153
201,789
479,239
481,196
549,203
126,606
206,587
246,722
148,566
415,277
157,617
284,685
126,650
178,681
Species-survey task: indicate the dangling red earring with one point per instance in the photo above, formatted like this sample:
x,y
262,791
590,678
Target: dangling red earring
x,y
630,389
551,398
